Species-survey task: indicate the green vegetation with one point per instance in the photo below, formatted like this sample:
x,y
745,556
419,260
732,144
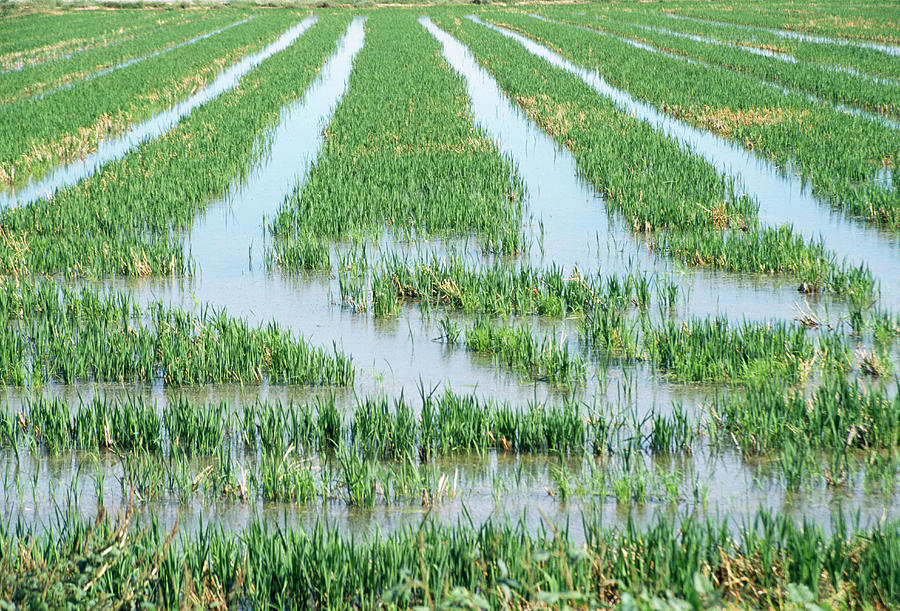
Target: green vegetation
x,y
45,77
71,123
128,218
493,427
840,154
67,336
660,188
401,156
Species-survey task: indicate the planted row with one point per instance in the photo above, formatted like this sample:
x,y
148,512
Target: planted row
x,y
650,179
128,218
401,156
688,562
64,335
842,155
71,123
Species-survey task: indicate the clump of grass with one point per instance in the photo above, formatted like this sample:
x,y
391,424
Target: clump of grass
x,y
69,335
516,347
713,350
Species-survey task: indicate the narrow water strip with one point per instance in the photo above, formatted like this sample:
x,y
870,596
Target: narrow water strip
x,y
783,57
221,243
783,199
137,60
115,148
893,50
575,218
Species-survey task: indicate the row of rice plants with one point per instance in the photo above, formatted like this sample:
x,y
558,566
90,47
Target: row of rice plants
x,y
864,60
401,155
438,424
500,289
828,82
71,123
48,76
853,24
685,562
841,155
126,218
652,181
64,335
36,37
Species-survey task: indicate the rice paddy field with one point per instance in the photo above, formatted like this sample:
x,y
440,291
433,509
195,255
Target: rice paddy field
x,y
483,306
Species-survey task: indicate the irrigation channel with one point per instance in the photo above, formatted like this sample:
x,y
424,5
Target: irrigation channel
x,y
632,439
783,199
154,127
850,110
142,58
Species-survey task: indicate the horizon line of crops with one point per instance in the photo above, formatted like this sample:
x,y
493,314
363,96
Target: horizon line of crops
x,y
840,154
683,562
54,333
401,154
128,218
71,123
660,189
864,60
22,46
48,78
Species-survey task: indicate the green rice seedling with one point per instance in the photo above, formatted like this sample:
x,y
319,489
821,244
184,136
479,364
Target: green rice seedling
x,y
661,188
191,430
70,123
379,432
672,433
330,425
84,335
611,331
516,347
839,414
449,330
712,350
89,61
783,126
299,253
359,478
283,478
402,155
138,231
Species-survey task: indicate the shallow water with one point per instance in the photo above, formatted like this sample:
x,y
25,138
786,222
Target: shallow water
x,y
115,148
893,50
783,199
395,357
784,57
496,486
137,60
848,110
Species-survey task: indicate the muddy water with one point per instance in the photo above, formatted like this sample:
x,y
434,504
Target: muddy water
x,y
396,356
115,148
783,199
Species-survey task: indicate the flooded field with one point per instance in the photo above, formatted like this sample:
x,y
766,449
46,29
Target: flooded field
x,y
547,306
